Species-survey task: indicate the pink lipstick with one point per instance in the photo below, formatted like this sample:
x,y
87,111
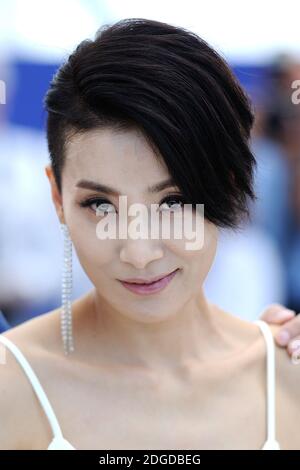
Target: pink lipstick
x,y
150,287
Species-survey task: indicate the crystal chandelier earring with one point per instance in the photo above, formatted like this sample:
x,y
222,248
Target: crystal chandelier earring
x,y
66,308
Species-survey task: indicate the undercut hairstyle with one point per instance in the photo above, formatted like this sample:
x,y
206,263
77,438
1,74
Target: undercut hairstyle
x,y
170,84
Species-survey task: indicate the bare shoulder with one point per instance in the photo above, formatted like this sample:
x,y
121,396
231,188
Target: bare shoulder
x,y
23,423
287,396
22,420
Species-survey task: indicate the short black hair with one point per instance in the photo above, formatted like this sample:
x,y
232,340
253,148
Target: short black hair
x,y
170,84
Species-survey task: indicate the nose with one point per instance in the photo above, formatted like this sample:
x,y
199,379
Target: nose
x,y
140,252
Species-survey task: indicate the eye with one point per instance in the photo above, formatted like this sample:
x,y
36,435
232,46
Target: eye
x,y
175,200
101,205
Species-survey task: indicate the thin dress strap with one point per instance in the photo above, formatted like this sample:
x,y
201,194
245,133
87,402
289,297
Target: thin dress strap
x,y
271,443
35,384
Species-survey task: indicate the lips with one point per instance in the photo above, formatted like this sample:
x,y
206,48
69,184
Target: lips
x,y
147,281
150,288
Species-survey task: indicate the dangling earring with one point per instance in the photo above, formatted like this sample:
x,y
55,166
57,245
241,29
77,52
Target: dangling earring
x,y
66,308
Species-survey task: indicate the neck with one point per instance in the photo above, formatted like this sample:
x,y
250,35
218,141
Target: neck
x,y
195,334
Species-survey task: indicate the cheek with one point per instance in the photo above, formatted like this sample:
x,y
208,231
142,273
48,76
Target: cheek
x,y
83,230
97,258
93,254
200,243
196,262
204,258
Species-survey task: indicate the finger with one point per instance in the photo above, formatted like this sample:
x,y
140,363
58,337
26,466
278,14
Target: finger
x,y
282,316
277,313
289,331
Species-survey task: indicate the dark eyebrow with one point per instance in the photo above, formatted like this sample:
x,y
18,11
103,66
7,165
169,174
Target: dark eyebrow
x,y
88,184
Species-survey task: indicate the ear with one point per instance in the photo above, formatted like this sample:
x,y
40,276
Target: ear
x,y
56,196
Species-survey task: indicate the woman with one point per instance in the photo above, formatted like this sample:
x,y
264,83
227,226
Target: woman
x,y
150,112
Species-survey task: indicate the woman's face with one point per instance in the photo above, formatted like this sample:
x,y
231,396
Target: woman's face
x,y
125,162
